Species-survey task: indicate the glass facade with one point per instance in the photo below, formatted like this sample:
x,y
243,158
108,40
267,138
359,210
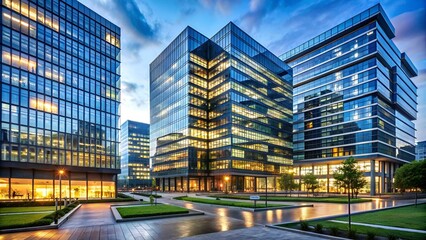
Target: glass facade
x,y
60,96
421,150
134,152
353,96
220,108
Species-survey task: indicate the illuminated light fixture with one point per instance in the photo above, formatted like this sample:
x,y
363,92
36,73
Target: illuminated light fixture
x,y
356,55
370,32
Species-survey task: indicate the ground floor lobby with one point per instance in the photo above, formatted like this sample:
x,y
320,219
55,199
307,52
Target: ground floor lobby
x,y
31,184
378,174
224,183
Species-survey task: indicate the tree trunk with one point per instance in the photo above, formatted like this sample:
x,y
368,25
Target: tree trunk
x,y
349,209
416,198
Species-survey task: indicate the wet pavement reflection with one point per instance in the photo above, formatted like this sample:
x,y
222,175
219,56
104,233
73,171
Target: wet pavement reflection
x,y
95,221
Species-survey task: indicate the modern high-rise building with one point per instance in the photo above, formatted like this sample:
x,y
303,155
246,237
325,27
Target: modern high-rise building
x,y
60,96
134,153
421,150
221,114
353,96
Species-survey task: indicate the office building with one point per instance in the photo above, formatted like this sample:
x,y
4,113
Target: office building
x,y
134,153
421,150
353,96
60,95
220,113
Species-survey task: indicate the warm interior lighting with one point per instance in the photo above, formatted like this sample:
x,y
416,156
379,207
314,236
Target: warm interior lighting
x,y
41,105
226,178
61,172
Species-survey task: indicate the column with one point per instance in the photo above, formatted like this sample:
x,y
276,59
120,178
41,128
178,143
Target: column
x,y
328,178
383,177
372,178
187,184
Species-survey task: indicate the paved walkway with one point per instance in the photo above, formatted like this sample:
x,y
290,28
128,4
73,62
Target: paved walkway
x,y
381,226
93,214
95,221
254,233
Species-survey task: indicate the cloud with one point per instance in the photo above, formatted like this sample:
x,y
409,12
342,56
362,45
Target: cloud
x,y
221,6
411,33
131,94
187,11
130,16
303,21
258,11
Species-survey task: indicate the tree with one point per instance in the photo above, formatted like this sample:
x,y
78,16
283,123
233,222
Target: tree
x,y
350,177
310,181
286,182
411,176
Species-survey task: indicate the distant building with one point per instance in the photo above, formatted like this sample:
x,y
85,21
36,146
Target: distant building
x,y
353,96
134,151
421,150
220,113
60,97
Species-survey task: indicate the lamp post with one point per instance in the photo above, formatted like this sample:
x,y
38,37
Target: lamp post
x,y
226,184
60,188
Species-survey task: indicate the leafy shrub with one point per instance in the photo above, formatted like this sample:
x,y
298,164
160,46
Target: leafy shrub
x,y
318,228
151,199
371,235
304,225
41,222
334,231
352,234
217,198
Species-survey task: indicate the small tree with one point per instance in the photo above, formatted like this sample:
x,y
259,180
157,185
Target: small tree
x,y
311,182
411,176
286,182
350,177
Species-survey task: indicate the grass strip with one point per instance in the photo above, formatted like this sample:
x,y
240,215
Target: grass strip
x,y
147,211
299,199
404,217
228,203
26,209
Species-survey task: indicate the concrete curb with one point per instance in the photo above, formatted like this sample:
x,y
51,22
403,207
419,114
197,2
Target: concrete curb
x,y
61,221
251,209
118,217
65,218
283,207
306,232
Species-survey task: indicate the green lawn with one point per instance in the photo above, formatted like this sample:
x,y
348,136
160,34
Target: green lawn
x,y
228,203
300,199
146,211
405,217
18,219
26,209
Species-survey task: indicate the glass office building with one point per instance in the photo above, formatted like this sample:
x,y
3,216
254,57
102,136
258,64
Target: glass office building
x,y
353,96
60,95
220,113
134,153
421,150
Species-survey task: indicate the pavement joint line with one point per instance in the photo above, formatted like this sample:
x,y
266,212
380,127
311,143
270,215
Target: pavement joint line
x,y
382,226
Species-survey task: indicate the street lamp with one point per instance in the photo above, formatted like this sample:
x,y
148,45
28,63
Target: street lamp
x,y
60,187
226,184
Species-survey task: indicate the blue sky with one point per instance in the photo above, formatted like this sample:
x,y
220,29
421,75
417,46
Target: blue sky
x,y
149,26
